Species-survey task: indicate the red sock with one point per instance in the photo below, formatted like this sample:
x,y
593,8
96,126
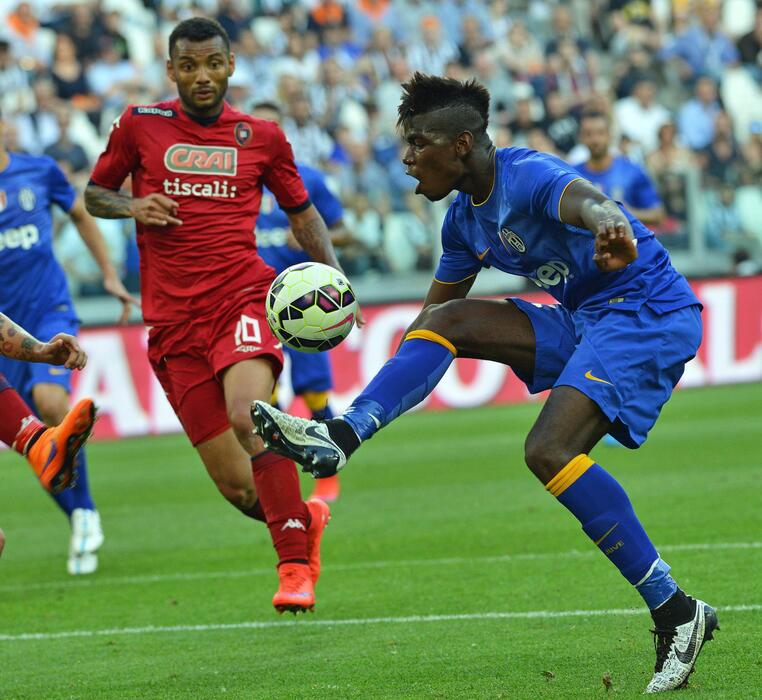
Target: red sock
x,y
279,493
17,422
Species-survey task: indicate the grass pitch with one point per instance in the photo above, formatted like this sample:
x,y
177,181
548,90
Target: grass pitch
x,y
448,572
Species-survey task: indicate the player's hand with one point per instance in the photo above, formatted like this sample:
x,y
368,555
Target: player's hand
x,y
615,247
113,285
155,210
61,349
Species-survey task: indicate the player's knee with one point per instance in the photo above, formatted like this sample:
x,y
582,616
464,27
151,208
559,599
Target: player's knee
x,y
51,407
239,416
544,457
445,319
242,496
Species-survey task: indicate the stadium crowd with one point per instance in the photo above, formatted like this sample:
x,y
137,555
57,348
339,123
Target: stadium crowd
x,y
680,80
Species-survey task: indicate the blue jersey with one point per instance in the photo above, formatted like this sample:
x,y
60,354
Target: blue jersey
x,y
624,181
518,230
32,279
272,222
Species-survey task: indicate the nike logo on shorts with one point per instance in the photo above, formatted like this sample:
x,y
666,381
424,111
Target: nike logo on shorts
x,y
589,375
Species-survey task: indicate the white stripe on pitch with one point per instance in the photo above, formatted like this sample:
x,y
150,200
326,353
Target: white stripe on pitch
x,y
410,619
359,566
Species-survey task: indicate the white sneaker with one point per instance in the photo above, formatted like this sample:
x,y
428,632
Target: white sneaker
x,y
86,539
678,648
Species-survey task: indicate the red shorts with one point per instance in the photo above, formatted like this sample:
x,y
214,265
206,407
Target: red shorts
x,y
189,359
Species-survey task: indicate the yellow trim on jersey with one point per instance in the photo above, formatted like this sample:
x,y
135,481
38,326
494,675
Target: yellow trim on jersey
x,y
458,282
423,334
492,189
561,198
569,474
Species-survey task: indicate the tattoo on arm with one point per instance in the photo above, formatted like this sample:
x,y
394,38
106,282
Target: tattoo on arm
x,y
15,342
107,204
313,236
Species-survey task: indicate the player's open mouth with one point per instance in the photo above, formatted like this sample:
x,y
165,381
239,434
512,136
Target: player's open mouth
x,y
204,94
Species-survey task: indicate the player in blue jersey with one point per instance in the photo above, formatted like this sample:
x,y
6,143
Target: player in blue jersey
x,y
617,176
310,373
35,293
610,351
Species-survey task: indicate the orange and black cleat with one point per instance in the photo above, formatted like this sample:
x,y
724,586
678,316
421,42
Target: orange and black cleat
x,y
327,489
320,514
296,593
52,455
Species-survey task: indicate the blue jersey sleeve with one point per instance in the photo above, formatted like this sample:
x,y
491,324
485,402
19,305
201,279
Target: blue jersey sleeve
x,y
61,191
644,194
457,262
536,183
325,201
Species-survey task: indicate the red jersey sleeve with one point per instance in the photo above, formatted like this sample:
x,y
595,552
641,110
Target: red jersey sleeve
x,y
121,155
282,178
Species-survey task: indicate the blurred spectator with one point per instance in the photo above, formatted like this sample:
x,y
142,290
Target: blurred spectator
x,y
111,74
563,30
32,43
697,116
366,17
569,72
750,47
15,92
525,116
306,136
720,159
38,128
366,252
724,229
616,176
639,62
473,41
335,43
69,77
702,49
640,115
66,151
363,175
520,54
84,27
560,123
434,51
669,155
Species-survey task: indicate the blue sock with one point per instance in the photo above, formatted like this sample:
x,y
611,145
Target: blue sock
x,y
404,381
597,500
78,496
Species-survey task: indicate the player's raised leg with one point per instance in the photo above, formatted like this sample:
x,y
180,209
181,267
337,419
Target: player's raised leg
x,y
52,403
51,451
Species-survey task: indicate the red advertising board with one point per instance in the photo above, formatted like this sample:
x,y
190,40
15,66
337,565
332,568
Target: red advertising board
x,y
132,402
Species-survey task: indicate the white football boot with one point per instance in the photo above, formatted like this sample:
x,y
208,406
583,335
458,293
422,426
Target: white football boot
x,y
677,649
86,540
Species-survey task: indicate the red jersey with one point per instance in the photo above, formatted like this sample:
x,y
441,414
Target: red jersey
x,y
215,172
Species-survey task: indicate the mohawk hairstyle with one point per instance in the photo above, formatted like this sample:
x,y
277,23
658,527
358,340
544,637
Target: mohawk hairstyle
x,y
198,29
467,103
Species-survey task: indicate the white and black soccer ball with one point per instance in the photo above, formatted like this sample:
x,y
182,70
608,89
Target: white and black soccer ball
x,y
311,307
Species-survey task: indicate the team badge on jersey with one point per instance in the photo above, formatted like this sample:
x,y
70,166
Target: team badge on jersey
x,y
511,239
243,133
3,200
27,200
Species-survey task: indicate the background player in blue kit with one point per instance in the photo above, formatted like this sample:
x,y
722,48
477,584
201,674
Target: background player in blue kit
x,y
34,292
615,175
310,373
610,351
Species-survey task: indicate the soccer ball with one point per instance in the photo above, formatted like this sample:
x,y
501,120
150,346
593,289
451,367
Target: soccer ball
x,y
311,307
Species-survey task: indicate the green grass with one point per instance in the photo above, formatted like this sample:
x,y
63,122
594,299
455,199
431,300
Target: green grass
x,y
438,516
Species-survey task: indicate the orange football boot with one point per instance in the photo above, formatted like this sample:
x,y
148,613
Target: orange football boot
x,y
52,455
296,593
320,514
327,489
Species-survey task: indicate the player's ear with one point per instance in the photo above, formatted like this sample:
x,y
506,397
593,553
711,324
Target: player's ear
x,y
231,64
170,71
464,142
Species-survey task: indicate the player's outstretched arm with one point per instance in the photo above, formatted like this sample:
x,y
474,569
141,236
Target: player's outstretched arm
x,y
62,349
152,210
312,234
583,205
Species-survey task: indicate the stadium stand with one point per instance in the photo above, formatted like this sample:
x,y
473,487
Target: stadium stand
x,y
681,79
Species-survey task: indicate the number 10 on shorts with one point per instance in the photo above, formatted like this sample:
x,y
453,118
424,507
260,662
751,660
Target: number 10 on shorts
x,y
247,331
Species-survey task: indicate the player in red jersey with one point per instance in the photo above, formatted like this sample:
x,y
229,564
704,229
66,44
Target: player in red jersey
x,y
198,168
50,451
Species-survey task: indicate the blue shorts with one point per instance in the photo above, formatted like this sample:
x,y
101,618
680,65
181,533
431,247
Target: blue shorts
x,y
22,376
628,362
309,371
